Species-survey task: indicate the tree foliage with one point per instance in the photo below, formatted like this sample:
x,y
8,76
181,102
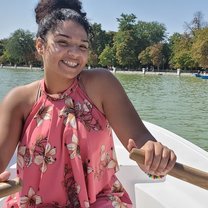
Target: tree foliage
x,y
153,55
3,56
200,48
20,47
145,57
136,44
181,56
107,57
126,49
99,39
149,33
126,22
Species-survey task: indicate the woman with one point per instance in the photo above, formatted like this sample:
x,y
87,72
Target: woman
x,y
62,123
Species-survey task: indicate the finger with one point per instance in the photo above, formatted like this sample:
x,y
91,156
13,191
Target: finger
x,y
4,176
158,149
149,155
131,144
161,170
171,162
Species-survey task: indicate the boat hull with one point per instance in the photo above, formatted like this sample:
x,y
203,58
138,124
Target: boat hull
x,y
202,76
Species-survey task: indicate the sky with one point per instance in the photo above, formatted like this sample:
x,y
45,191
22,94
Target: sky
x,y
16,14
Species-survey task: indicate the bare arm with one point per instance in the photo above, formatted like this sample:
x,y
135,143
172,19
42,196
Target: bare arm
x,y
11,120
122,115
118,109
127,124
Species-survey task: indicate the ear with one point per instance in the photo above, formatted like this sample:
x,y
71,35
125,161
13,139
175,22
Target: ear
x,y
40,45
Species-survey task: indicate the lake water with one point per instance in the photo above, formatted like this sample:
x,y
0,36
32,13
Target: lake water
x,y
179,104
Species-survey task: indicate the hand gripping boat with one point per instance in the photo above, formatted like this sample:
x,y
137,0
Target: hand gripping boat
x,y
188,185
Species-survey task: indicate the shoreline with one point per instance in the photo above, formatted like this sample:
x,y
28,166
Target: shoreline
x,y
21,67
173,73
155,73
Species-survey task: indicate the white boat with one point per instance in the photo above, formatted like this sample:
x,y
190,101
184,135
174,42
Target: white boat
x,y
168,192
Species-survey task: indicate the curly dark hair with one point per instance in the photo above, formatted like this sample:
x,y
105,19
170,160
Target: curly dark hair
x,y
50,12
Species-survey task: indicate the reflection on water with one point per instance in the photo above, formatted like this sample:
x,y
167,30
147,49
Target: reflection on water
x,y
179,104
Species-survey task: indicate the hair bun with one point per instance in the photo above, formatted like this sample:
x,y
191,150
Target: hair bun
x,y
46,7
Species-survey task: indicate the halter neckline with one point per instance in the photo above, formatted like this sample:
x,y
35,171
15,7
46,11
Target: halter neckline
x,y
58,96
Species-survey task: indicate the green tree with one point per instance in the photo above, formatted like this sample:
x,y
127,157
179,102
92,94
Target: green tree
x,y
126,49
145,57
110,38
156,54
153,55
3,58
107,57
181,56
99,39
93,59
20,47
2,46
126,22
200,47
125,41
149,33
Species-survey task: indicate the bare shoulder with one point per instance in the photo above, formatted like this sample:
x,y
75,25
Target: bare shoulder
x,y
101,85
21,98
98,72
99,78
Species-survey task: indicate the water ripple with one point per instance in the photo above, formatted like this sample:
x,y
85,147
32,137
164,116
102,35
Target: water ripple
x,y
178,104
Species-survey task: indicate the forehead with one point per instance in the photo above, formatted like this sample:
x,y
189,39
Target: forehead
x,y
72,29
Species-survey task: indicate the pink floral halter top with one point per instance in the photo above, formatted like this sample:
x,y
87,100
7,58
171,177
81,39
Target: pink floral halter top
x,y
66,156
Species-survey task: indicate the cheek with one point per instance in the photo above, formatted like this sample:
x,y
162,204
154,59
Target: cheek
x,y
53,50
52,54
86,57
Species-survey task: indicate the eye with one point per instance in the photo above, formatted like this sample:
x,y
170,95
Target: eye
x,y
62,43
83,47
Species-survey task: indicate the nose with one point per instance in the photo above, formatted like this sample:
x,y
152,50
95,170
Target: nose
x,y
73,50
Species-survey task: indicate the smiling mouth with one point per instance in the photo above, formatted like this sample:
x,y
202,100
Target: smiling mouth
x,y
70,63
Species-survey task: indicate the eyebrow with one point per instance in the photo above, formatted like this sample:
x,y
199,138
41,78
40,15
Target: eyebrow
x,y
66,36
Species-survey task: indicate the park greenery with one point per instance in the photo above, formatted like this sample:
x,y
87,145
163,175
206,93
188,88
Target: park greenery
x,y
136,45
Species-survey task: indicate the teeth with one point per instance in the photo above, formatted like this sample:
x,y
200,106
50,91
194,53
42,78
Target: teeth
x,y
70,63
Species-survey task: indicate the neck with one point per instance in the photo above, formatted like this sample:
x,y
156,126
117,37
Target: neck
x,y
56,86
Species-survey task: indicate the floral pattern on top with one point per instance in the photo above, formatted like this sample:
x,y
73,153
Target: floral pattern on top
x,y
67,144
81,111
107,161
74,148
72,189
42,154
84,114
68,113
24,157
31,200
116,202
46,158
117,187
43,114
